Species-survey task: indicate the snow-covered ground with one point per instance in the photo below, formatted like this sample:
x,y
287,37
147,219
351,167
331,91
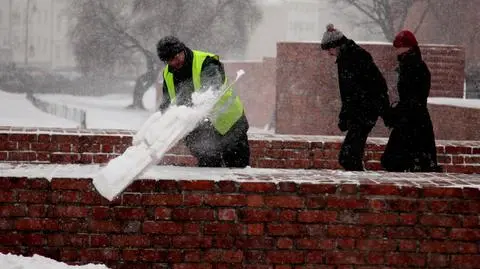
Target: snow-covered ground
x,y
9,261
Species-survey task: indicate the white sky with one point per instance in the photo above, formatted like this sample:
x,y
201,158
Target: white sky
x,y
9,261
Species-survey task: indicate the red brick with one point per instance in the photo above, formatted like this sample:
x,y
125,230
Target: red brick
x,y
287,186
142,186
197,185
317,188
11,239
99,255
438,261
448,247
10,183
23,137
167,185
228,256
60,197
162,213
270,163
442,192
193,214
100,213
325,244
131,199
317,258
70,211
223,242
127,213
255,201
193,241
345,258
380,189
342,231
192,228
14,156
6,224
71,184
192,199
131,241
406,205
314,216
8,196
345,202
192,266
261,187
440,221
407,245
227,186
102,226
227,214
223,228
284,243
162,227
284,201
99,240
465,234
348,189
155,199
36,225
378,219
37,197
193,255
465,261
376,245
283,257
255,242
255,229
225,200
286,229
258,215
13,210
458,150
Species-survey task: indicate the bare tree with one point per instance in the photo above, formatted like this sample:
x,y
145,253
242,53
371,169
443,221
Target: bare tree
x,y
386,15
110,32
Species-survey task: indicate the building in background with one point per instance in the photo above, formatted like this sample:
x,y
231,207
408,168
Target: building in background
x,y
297,21
35,32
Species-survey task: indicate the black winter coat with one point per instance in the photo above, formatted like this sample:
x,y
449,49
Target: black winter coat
x,y
363,89
411,146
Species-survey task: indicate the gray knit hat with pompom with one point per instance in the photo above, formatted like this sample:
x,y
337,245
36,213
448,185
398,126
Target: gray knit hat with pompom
x,y
332,37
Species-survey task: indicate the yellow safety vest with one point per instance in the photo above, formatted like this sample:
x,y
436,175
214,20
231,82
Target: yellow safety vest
x,y
228,109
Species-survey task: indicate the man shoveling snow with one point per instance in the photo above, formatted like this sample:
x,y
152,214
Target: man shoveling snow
x,y
221,139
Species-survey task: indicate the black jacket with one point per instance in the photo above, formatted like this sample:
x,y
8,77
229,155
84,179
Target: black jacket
x,y
363,89
411,145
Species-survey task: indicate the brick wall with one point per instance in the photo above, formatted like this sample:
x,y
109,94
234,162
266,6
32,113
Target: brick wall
x,y
298,221
267,151
308,100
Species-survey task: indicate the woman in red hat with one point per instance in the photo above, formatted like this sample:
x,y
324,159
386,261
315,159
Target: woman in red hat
x,y
411,146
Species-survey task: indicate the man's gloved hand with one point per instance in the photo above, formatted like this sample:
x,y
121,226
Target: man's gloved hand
x,y
343,125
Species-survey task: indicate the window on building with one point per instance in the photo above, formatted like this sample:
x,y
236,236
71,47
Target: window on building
x,y
58,52
59,23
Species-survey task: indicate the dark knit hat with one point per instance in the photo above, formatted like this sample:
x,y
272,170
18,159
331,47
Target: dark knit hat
x,y
332,38
168,47
405,39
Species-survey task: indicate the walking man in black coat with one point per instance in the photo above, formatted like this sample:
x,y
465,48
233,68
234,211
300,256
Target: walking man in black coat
x,y
363,92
